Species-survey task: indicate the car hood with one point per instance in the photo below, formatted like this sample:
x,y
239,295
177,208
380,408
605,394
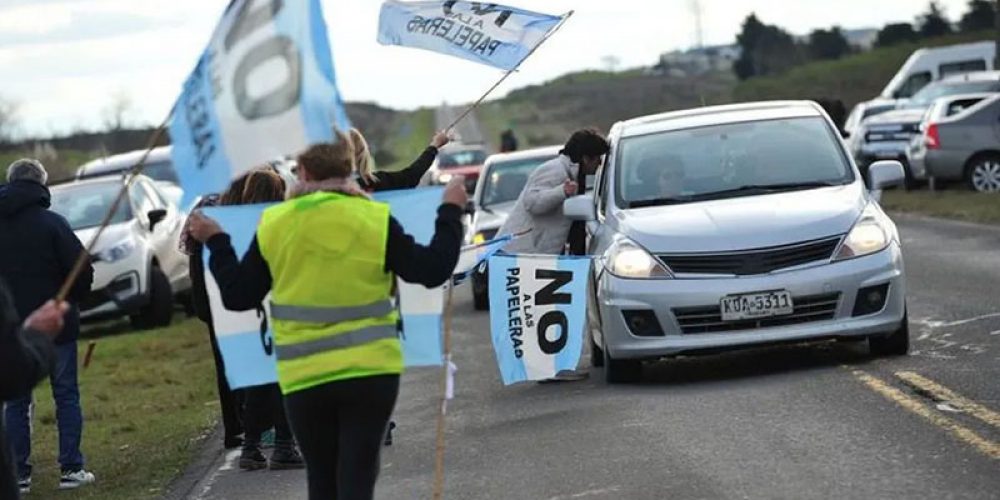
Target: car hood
x,y
111,236
897,116
493,216
745,223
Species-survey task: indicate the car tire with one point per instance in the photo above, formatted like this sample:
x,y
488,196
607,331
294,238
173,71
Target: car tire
x,y
596,353
983,173
896,343
481,300
160,309
621,371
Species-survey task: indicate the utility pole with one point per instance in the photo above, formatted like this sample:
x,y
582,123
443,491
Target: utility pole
x,y
699,32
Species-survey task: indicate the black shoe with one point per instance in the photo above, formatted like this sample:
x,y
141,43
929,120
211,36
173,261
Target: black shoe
x,y
388,433
251,458
286,457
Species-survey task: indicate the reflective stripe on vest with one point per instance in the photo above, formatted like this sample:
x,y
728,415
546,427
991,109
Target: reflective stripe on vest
x,y
310,314
339,341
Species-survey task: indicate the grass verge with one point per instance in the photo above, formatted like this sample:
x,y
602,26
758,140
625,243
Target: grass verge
x,y
960,205
147,399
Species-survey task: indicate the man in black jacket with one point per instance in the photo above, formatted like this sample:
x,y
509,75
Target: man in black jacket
x,y
37,251
25,357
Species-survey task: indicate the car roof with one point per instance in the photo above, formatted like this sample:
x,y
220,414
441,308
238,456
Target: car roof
x,y
975,76
123,161
107,179
718,115
526,154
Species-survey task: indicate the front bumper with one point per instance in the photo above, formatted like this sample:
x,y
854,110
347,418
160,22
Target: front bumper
x,y
119,288
665,297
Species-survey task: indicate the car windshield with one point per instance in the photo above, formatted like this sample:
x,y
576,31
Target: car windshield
x,y
454,159
725,161
86,205
506,180
935,90
158,171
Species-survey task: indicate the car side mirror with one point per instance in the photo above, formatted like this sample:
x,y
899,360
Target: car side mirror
x,y
155,217
580,208
845,134
470,207
885,174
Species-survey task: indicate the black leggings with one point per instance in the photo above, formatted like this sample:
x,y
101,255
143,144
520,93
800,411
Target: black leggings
x,y
262,409
340,427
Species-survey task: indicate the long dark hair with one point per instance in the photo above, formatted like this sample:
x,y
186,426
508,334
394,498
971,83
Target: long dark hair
x,y
260,185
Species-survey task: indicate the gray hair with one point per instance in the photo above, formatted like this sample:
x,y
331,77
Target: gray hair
x,y
27,169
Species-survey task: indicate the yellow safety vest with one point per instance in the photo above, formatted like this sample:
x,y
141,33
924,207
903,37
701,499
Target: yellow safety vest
x,y
330,297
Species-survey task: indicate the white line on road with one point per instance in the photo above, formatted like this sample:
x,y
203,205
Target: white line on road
x,y
588,493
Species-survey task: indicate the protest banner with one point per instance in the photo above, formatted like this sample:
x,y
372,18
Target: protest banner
x,y
263,88
538,313
245,337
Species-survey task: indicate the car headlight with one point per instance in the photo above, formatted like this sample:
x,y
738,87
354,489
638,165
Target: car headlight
x,y
872,233
479,238
117,252
626,259
444,178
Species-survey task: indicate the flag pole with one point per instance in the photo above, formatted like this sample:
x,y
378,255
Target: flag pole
x,y
509,72
443,408
84,256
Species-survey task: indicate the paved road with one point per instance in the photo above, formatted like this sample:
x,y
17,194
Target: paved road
x,y
797,422
467,130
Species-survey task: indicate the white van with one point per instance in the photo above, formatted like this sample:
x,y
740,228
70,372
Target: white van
x,y
927,65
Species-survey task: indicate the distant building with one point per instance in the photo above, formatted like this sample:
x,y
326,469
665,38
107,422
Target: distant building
x,y
697,61
862,38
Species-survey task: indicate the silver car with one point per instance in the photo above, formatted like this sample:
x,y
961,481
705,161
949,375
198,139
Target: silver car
x,y
735,226
961,142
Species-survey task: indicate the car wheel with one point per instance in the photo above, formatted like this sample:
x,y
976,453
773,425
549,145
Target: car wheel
x,y
895,344
621,371
596,353
983,174
160,309
480,300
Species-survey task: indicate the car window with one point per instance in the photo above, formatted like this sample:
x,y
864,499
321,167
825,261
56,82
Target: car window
x,y
962,67
140,200
728,160
86,205
936,90
913,84
461,158
154,194
506,180
960,105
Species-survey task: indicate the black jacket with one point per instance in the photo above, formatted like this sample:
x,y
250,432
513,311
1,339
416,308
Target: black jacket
x,y
25,358
37,252
243,284
407,178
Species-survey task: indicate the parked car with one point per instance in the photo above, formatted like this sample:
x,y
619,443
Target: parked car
x,y
503,179
138,268
157,166
736,226
888,135
864,110
457,159
961,141
931,64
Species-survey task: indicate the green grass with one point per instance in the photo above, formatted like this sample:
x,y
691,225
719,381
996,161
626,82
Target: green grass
x,y
411,133
960,205
147,399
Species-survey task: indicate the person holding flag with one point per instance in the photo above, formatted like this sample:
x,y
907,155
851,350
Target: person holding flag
x,y
329,256
371,180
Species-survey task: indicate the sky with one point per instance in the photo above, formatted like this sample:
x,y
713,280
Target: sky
x,y
64,61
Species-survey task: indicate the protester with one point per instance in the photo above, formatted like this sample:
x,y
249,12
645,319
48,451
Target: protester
x,y
27,354
409,177
508,142
538,210
37,252
329,257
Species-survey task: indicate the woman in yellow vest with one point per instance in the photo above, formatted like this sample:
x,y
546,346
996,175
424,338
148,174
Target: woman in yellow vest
x,y
329,256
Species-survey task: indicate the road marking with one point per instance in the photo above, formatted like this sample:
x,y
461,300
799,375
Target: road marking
x,y
588,493
985,446
942,394
931,323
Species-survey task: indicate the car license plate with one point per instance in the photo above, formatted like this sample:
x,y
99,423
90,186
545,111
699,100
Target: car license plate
x,y
756,305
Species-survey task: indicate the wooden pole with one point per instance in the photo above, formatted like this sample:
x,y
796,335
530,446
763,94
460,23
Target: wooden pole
x,y
509,72
443,408
84,256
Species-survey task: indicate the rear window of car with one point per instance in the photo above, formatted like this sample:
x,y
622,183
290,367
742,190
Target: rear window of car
x,y
453,159
960,105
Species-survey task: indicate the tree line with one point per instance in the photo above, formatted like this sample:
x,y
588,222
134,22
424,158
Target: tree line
x,y
768,49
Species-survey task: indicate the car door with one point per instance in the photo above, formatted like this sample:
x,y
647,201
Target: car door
x,y
164,235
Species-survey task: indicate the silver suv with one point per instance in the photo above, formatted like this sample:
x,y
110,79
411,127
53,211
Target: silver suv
x,y
734,226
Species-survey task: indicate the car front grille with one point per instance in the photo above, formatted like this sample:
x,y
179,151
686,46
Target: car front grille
x,y
708,319
93,300
750,262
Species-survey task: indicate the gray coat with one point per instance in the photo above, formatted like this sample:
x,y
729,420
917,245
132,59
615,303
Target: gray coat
x,y
539,208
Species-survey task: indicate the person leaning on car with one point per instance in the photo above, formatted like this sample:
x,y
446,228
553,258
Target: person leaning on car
x,y
37,251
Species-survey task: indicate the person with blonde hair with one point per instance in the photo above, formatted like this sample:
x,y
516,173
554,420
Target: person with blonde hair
x,y
329,255
409,177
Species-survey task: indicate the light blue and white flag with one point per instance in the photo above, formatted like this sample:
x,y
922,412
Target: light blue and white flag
x,y
473,257
245,338
538,313
486,33
264,88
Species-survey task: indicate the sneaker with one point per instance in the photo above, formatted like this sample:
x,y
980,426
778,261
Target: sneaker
x,y
24,484
74,479
252,459
286,458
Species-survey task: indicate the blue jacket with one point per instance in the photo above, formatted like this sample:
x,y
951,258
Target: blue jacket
x,y
37,252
